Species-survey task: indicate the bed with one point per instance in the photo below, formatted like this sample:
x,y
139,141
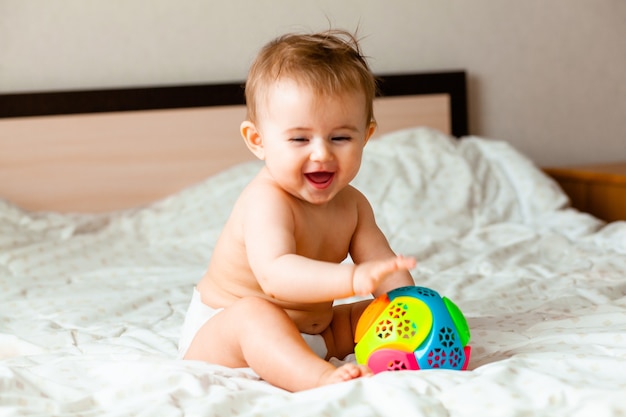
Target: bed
x,y
110,202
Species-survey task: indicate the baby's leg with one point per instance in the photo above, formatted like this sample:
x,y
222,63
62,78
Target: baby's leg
x,y
256,333
339,336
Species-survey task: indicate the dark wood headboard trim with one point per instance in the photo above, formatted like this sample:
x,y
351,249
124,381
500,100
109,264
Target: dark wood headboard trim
x,y
452,83
125,99
202,95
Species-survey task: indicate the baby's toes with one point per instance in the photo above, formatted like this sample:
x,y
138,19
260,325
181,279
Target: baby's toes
x,y
352,371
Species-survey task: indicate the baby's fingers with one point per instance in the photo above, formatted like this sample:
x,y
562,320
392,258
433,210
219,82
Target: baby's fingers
x,y
405,262
395,264
369,275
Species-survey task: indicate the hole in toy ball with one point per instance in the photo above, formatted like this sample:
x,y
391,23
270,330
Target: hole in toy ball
x,y
398,310
455,357
384,329
407,329
438,358
396,365
426,292
446,337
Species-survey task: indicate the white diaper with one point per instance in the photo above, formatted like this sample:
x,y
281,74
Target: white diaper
x,y
199,313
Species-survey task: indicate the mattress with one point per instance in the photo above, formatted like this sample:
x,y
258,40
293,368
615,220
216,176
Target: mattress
x,y
91,306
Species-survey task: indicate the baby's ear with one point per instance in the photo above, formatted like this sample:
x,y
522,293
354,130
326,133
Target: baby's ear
x,y
370,130
253,139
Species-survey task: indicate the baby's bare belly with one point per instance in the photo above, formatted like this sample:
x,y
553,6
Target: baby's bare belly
x,y
313,320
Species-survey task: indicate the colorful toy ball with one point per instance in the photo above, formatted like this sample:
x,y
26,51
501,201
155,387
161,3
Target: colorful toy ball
x,y
412,328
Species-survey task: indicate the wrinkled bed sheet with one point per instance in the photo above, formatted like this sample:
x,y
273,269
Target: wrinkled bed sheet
x,y
91,305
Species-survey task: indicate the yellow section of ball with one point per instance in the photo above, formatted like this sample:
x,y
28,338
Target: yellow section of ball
x,y
403,325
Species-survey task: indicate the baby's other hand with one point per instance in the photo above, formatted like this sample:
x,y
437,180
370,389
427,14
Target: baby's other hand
x,y
369,275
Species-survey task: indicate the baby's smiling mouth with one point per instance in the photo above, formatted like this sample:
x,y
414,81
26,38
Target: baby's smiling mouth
x,y
321,179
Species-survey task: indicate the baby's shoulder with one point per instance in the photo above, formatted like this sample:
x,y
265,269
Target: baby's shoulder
x,y
353,195
260,189
353,192
358,201
260,195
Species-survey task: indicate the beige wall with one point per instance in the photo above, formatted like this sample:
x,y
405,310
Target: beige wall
x,y
549,76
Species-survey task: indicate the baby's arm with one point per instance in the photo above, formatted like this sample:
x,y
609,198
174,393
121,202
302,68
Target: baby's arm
x,y
271,248
299,279
269,230
370,250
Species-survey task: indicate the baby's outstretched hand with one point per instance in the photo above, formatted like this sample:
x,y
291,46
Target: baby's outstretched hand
x,y
369,275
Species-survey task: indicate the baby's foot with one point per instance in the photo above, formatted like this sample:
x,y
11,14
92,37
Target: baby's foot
x,y
345,373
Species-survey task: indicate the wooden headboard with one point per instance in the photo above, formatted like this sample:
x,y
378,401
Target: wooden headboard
x,y
103,150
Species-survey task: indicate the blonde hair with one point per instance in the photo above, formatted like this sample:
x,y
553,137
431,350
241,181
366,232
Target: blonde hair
x,y
329,62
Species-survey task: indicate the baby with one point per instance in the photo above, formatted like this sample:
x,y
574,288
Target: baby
x,y
266,299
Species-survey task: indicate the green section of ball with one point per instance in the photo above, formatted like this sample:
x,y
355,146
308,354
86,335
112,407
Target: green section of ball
x,y
459,320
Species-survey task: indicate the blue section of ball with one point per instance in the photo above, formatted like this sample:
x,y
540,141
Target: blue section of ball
x,y
443,346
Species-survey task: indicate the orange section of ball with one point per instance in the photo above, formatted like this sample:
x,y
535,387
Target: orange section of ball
x,y
370,314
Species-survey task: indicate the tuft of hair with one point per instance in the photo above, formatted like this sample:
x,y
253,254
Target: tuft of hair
x,y
329,62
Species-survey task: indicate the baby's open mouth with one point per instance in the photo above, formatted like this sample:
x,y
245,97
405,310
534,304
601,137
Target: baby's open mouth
x,y
320,179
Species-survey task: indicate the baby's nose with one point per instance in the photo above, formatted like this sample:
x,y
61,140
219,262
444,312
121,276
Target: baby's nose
x,y
320,151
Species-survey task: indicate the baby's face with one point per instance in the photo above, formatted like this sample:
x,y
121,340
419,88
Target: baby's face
x,y
313,144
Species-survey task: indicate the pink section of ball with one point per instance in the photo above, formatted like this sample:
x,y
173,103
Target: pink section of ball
x,y
392,360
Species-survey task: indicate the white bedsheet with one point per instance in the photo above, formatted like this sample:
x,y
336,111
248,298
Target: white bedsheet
x,y
91,306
